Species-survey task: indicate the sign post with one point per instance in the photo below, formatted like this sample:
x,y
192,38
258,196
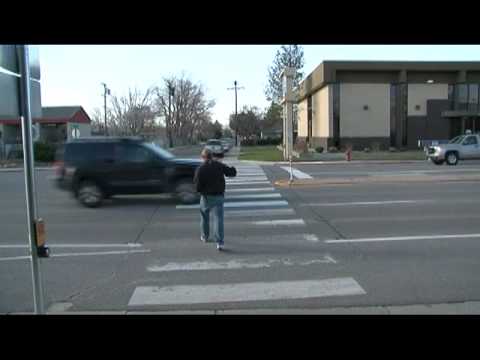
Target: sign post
x,y
28,162
288,99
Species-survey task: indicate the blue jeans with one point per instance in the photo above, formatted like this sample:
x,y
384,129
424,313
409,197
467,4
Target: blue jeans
x,y
214,203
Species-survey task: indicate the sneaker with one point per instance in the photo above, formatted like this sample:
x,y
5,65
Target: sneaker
x,y
203,239
219,247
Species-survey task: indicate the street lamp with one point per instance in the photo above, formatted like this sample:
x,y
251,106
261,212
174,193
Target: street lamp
x,y
105,93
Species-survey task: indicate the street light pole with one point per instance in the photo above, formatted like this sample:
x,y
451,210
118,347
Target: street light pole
x,y
235,87
28,162
171,94
105,92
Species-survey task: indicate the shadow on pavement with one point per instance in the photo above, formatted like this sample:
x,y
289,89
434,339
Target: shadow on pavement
x,y
140,201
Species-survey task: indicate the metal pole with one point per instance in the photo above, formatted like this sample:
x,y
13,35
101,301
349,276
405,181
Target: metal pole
x,y
28,163
105,106
236,135
169,125
291,171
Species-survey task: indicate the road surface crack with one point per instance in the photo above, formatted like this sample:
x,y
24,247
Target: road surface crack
x,y
322,219
147,223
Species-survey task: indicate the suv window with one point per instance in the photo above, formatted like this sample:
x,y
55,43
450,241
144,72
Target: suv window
x,y
214,142
132,153
88,152
470,140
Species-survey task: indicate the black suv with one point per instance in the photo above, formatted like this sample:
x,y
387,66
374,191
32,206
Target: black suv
x,y
97,168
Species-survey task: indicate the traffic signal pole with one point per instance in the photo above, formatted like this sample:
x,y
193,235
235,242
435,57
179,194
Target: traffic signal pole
x,y
28,163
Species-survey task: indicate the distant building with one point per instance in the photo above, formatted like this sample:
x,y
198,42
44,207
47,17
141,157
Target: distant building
x,y
50,124
391,104
56,125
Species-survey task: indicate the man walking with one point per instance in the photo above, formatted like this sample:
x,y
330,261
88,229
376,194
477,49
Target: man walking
x,y
210,183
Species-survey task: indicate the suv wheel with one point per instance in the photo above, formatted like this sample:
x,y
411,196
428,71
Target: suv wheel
x,y
90,194
185,192
451,158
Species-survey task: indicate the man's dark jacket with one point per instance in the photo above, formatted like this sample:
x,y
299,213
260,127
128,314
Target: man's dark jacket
x,y
210,177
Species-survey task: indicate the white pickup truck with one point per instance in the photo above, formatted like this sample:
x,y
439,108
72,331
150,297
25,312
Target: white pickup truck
x,y
462,147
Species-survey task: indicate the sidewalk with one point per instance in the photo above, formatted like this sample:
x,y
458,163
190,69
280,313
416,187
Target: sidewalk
x,y
460,308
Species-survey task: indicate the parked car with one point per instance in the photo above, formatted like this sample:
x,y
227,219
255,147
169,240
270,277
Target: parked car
x,y
462,147
226,145
97,168
215,146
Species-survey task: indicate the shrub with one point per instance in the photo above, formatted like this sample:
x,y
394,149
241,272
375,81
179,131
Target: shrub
x,y
261,142
44,152
319,149
15,155
247,142
376,146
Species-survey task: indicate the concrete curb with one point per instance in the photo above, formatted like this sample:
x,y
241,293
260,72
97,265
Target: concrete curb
x,y
16,169
357,162
343,162
374,179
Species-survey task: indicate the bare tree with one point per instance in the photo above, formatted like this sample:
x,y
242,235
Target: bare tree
x,y
186,112
133,114
98,122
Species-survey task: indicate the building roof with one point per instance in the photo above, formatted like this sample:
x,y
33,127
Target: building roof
x,y
388,71
52,112
55,115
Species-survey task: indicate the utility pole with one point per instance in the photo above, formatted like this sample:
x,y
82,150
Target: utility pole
x,y
171,95
28,163
288,74
105,93
235,87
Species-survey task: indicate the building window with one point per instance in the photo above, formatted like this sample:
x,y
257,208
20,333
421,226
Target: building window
x,y
403,110
473,97
336,114
393,114
417,107
309,118
451,96
461,98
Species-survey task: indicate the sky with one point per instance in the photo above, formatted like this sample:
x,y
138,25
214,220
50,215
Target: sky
x,y
72,74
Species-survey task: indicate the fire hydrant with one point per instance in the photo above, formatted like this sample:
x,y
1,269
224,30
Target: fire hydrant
x,y
348,154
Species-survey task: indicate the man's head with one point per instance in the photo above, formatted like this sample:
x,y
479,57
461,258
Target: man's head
x,y
206,155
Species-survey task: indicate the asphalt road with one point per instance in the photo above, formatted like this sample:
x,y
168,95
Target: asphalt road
x,y
298,248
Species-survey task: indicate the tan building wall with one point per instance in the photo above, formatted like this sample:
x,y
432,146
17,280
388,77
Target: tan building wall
x,y
322,113
357,122
302,119
418,94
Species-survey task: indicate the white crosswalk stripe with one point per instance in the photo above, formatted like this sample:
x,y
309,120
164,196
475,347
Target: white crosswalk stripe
x,y
244,292
266,219
251,195
237,264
